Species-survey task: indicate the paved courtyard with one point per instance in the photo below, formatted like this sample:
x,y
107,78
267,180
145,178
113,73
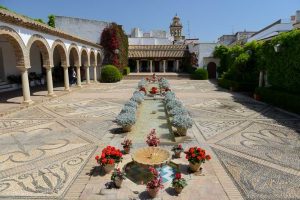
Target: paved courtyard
x,y
47,150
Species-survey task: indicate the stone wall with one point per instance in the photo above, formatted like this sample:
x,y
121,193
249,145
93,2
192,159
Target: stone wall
x,y
90,30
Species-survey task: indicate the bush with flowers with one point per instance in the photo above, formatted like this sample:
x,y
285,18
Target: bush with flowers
x,y
155,184
154,90
196,155
177,148
152,139
118,174
178,181
110,155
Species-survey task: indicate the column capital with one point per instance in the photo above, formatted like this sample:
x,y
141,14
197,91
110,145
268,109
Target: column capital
x,y
48,66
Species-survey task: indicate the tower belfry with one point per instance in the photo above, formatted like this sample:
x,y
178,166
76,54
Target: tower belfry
x,y
176,28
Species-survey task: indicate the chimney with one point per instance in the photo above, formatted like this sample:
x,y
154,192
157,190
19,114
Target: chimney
x,y
297,16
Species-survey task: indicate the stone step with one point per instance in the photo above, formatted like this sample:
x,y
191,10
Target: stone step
x,y
171,76
5,87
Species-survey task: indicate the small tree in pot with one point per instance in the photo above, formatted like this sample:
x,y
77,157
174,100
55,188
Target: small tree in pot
x,y
127,144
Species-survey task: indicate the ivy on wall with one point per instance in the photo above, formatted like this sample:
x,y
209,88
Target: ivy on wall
x,y
115,43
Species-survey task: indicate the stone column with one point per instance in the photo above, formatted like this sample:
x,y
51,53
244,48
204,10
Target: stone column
x,y
49,81
138,66
164,65
87,74
151,66
25,86
66,79
261,76
78,76
177,66
95,74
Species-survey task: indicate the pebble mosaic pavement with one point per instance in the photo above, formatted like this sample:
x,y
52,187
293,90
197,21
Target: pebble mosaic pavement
x,y
47,150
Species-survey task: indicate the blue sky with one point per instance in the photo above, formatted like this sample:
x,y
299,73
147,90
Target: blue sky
x,y
207,19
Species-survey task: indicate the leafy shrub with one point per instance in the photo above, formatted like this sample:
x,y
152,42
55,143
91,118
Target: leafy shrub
x,y
126,71
110,74
281,99
173,103
164,83
200,74
169,96
126,119
182,121
128,109
142,83
137,97
131,104
51,21
178,111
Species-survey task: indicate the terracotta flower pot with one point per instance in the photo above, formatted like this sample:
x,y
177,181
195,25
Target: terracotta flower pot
x,y
178,189
181,131
177,154
108,167
118,182
127,128
257,97
194,167
153,192
127,150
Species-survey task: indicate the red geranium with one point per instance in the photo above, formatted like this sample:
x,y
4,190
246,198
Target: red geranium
x,y
196,155
143,90
152,139
153,90
109,155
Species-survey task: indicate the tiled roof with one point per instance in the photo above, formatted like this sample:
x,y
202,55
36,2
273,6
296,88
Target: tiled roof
x,y
16,19
157,51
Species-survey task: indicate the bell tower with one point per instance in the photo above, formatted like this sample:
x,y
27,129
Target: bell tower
x,y
176,28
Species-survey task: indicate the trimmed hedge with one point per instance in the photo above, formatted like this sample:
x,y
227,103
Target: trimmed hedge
x,y
290,102
200,74
237,86
110,74
126,71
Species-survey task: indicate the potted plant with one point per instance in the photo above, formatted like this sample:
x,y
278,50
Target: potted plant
x,y
127,144
173,103
126,120
155,184
178,183
152,139
177,150
196,156
109,157
154,90
117,177
143,89
131,104
182,123
178,111
137,97
128,109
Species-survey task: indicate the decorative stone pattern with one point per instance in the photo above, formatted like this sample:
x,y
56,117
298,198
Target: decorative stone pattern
x,y
272,143
258,181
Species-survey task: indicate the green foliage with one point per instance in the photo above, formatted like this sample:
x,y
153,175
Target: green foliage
x,y
114,39
3,7
200,74
51,21
110,74
284,66
236,86
39,20
126,71
279,98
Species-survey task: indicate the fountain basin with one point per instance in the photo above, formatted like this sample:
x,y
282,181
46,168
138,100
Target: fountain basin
x,y
152,156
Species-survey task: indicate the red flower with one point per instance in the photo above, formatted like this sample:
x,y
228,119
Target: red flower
x,y
97,157
193,155
111,161
104,161
179,146
191,150
207,157
178,176
103,155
